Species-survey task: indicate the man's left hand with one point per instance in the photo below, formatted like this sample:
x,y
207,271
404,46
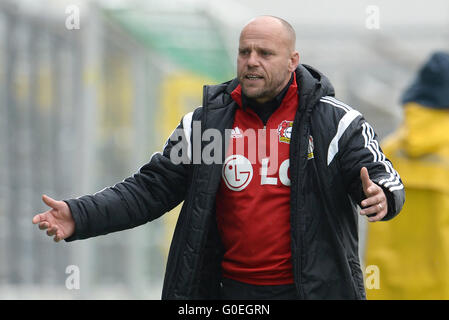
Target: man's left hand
x,y
375,203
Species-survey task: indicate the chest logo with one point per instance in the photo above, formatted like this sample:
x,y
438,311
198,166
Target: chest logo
x,y
235,133
285,131
237,172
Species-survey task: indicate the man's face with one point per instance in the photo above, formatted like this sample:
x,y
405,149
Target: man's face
x,y
265,60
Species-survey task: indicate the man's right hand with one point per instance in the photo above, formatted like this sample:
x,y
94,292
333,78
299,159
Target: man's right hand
x,y
58,221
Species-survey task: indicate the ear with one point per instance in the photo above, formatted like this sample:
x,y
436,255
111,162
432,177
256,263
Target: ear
x,y
293,62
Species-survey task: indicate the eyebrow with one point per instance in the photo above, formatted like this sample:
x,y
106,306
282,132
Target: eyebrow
x,y
243,48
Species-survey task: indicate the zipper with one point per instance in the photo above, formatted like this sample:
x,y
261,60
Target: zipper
x,y
254,115
296,135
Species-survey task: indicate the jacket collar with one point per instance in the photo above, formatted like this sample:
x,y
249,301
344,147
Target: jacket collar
x,y
312,85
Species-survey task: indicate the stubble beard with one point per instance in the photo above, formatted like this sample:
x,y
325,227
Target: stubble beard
x,y
265,93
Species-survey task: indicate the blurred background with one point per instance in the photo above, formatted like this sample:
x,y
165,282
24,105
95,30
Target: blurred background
x,y
90,89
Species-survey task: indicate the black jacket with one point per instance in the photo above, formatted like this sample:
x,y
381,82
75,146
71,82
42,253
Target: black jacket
x,y
325,192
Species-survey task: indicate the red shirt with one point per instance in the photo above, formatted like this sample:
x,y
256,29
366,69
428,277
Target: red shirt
x,y
253,200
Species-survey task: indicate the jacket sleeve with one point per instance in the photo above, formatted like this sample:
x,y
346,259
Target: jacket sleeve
x,y
158,186
359,147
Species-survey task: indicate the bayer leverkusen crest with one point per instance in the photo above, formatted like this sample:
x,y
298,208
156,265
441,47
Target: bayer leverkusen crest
x,y
285,131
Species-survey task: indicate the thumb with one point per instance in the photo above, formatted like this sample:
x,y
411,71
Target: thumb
x,y
50,201
366,181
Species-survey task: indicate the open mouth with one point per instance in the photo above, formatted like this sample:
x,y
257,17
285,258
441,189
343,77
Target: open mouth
x,y
253,77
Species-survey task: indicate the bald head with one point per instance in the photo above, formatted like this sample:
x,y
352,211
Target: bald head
x,y
282,27
267,57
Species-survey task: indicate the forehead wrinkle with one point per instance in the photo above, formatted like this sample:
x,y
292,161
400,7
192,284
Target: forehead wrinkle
x,y
257,45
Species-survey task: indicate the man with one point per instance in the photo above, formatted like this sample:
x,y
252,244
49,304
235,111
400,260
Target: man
x,y
412,252
247,230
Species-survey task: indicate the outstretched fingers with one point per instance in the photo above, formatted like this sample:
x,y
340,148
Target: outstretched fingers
x,y
52,203
42,220
54,219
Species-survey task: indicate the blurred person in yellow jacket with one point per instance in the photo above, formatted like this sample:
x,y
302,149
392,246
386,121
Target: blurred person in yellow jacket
x,y
412,252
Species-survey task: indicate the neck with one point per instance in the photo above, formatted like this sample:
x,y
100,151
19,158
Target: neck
x,y
266,108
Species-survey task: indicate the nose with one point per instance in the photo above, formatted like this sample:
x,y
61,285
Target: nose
x,y
253,59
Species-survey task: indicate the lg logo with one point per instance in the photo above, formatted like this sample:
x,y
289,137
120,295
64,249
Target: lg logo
x,y
237,173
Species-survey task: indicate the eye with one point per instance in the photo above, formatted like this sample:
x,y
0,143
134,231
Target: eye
x,y
243,52
266,53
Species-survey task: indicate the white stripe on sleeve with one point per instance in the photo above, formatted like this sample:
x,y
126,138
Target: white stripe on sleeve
x,y
342,126
392,183
187,126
